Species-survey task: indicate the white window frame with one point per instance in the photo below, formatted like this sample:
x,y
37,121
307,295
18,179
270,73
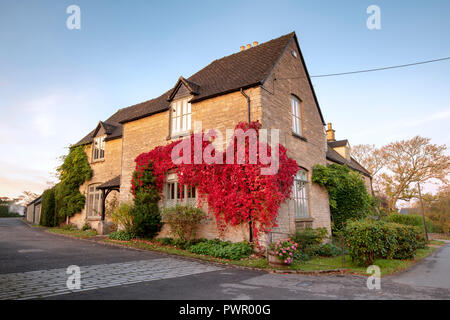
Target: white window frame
x,y
94,201
173,196
296,109
98,148
181,117
301,195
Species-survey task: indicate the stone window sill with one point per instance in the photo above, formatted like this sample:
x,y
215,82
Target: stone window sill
x,y
98,161
304,219
299,137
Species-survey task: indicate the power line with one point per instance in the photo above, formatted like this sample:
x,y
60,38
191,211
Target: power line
x,y
379,69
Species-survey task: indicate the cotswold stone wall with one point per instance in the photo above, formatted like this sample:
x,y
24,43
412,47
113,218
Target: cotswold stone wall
x,y
103,170
289,78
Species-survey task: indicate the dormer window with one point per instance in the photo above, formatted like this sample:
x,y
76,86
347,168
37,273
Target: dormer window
x,y
98,150
181,117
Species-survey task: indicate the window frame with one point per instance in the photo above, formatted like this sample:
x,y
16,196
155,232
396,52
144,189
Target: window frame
x,y
98,145
181,117
297,115
90,205
301,196
172,194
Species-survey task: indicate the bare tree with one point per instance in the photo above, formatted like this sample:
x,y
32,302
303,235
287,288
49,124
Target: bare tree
x,y
412,162
26,197
370,157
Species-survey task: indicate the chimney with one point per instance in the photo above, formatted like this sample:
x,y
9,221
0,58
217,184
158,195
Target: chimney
x,y
249,46
255,43
242,48
330,133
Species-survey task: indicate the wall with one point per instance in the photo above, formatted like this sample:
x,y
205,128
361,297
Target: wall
x,y
103,171
220,113
287,78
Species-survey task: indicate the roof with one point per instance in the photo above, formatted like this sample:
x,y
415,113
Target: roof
x,y
244,69
339,143
334,156
35,201
114,182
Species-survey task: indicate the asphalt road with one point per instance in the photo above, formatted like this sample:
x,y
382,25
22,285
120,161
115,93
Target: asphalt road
x,y
33,265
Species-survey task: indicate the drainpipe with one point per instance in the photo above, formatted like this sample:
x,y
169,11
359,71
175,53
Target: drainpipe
x,y
248,104
250,228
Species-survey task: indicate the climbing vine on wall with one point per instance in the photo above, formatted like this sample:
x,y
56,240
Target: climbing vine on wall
x,y
235,193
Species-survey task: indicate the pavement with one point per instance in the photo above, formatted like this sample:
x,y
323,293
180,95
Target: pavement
x,y
34,265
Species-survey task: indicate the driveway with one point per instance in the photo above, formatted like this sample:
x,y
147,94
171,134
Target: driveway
x,y
33,265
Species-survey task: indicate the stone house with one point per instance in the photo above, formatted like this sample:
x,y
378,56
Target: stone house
x,y
268,82
33,212
339,152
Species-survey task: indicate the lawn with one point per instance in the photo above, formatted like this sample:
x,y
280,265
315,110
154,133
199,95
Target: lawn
x,y
316,264
74,232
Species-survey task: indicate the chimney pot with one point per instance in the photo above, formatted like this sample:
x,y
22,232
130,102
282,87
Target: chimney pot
x,y
330,133
242,48
249,46
255,43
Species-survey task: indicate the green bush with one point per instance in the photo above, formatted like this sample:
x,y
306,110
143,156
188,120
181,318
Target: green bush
x,y
48,208
328,250
223,249
183,220
347,192
309,237
410,220
146,216
86,227
121,235
369,239
166,241
123,216
68,226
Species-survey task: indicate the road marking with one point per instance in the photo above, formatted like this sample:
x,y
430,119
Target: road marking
x,y
46,283
30,250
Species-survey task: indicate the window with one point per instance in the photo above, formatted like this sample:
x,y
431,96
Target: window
x,y
297,126
94,202
98,151
300,195
181,116
173,194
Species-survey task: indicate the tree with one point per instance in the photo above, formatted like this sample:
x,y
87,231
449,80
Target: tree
x,y
409,162
26,197
370,157
437,208
73,172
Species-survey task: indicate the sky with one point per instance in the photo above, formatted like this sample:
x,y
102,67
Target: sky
x,y
57,83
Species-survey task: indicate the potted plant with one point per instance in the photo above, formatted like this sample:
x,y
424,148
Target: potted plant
x,y
282,252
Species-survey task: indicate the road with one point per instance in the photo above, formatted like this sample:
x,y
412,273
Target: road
x,y
33,265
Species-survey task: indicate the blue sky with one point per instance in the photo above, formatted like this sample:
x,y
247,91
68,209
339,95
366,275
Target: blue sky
x,y
56,83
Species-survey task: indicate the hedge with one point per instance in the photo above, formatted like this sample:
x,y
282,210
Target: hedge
x,y
369,239
411,220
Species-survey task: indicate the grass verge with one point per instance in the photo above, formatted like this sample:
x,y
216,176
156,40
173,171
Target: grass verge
x,y
316,264
74,233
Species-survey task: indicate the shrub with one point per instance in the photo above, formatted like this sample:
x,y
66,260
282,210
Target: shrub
x,y
183,220
123,216
68,226
223,249
146,215
121,235
308,237
48,208
410,220
166,241
328,250
368,239
86,227
301,256
284,250
348,195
